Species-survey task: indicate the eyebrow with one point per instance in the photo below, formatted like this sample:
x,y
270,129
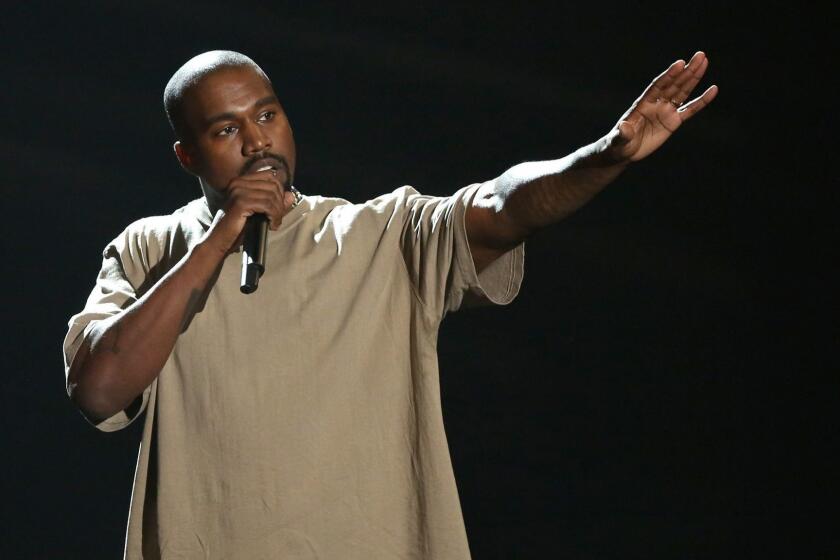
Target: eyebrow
x,y
267,100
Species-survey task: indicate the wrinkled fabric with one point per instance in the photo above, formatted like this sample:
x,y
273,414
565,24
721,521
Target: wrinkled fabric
x,y
302,421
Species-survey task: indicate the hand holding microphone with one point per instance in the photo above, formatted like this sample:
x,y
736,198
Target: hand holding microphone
x,y
256,201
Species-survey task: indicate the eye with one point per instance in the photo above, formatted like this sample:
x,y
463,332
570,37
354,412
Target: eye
x,y
267,116
226,131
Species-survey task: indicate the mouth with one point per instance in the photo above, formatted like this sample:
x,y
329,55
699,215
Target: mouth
x,y
268,163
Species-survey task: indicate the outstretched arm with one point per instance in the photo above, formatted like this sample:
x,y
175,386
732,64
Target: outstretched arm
x,y
533,195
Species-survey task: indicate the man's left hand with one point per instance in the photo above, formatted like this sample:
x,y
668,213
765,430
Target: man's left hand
x,y
659,111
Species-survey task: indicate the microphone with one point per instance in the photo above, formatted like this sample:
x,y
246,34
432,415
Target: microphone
x,y
256,226
253,253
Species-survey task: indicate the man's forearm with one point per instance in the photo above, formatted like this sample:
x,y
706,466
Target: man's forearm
x,y
122,355
533,195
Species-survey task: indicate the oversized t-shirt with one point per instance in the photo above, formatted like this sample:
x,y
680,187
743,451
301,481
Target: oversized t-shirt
x,y
302,421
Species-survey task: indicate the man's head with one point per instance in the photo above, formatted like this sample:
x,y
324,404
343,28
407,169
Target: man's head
x,y
228,121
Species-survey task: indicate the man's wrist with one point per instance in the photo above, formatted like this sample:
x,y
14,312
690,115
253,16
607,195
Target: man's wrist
x,y
209,251
600,155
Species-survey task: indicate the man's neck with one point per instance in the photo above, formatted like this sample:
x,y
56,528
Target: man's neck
x,y
215,200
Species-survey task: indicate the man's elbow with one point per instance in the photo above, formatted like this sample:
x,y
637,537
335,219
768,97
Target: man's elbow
x,y
94,402
88,389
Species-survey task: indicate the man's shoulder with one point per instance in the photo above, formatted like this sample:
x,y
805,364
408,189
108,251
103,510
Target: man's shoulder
x,y
189,216
320,203
396,198
153,238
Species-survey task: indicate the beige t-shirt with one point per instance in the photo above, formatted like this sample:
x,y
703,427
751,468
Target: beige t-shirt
x,y
304,420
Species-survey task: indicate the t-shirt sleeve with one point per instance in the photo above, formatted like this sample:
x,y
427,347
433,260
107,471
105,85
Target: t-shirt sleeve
x,y
113,292
440,264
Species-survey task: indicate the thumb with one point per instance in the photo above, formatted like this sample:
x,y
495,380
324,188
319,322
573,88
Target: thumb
x,y
624,133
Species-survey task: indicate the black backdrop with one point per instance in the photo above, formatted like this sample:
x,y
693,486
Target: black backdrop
x,y
655,390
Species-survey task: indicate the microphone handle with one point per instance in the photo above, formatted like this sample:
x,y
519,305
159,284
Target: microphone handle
x,y
253,253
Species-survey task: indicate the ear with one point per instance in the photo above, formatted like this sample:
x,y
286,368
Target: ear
x,y
184,156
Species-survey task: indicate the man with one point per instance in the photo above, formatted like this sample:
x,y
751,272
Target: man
x,y
304,420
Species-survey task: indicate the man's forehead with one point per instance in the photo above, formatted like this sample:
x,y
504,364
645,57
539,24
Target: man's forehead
x,y
228,89
233,81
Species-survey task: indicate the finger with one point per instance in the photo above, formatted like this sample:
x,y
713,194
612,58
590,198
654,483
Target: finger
x,y
681,87
248,202
271,175
283,206
276,209
662,82
288,199
280,207
245,188
268,173
692,78
272,208
263,180
690,109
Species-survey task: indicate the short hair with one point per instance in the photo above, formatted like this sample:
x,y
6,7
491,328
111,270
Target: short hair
x,y
190,74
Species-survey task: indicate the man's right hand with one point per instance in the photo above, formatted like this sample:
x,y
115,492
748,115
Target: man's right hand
x,y
247,195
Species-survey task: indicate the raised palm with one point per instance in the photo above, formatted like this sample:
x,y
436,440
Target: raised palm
x,y
660,110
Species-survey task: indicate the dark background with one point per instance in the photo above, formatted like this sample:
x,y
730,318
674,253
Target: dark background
x,y
663,387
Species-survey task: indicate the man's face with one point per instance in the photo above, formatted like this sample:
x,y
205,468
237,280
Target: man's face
x,y
237,127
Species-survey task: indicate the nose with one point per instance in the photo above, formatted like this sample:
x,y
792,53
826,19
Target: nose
x,y
254,139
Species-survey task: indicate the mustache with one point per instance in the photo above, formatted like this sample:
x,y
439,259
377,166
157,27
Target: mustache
x,y
278,160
